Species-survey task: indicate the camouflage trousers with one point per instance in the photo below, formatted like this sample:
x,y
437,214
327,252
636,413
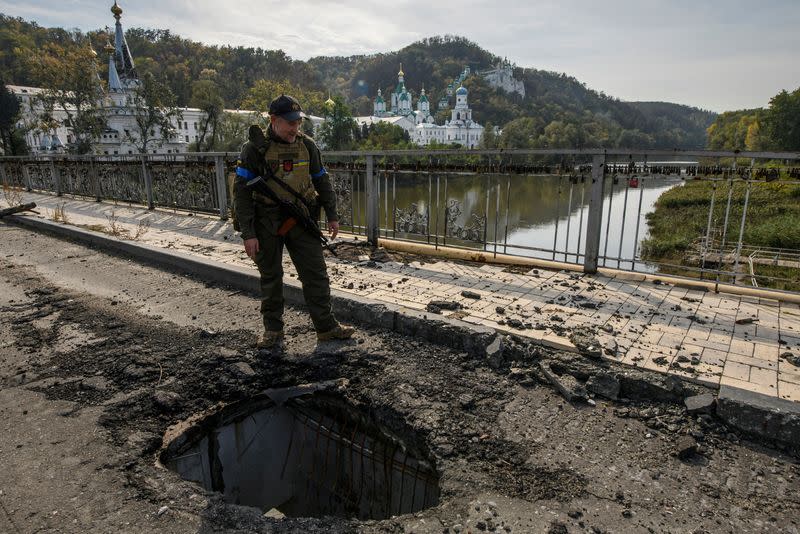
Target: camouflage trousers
x,y
306,254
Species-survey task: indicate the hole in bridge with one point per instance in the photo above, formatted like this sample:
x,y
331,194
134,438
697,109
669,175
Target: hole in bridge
x,y
307,456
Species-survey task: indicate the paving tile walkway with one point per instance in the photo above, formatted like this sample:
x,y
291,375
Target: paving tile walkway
x,y
710,338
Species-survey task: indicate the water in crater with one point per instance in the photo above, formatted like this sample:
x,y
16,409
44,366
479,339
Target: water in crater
x,y
306,456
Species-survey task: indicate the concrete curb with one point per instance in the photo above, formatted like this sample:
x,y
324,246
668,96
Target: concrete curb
x,y
758,414
769,417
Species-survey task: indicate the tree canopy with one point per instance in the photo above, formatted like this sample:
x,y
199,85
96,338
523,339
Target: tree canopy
x,y
154,111
71,86
9,115
782,120
776,127
338,130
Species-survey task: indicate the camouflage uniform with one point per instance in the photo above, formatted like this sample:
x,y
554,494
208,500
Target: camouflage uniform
x,y
258,216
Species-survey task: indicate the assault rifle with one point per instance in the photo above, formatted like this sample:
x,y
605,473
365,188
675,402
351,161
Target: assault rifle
x,y
293,213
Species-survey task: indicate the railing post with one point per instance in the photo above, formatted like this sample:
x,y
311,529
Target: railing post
x,y
56,176
148,183
95,180
26,177
595,218
222,189
373,229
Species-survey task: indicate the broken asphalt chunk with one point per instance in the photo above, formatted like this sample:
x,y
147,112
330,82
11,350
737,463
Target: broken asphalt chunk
x,y
586,343
515,323
685,447
700,404
566,384
494,352
445,304
604,384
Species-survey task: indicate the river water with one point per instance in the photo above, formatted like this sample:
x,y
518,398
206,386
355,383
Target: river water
x,y
525,215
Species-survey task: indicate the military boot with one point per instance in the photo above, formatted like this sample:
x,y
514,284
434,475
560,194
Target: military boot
x,y
270,339
339,331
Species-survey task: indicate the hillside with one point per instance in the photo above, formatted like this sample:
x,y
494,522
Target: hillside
x,y
552,99
558,110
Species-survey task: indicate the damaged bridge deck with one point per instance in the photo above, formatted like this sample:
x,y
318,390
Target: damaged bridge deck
x,y
715,339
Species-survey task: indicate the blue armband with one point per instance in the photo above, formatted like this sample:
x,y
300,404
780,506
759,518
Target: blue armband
x,y
245,173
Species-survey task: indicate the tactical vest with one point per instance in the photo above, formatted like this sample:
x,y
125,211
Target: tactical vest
x,y
290,163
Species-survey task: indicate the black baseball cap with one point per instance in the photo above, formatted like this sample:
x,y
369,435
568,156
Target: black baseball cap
x,y
286,107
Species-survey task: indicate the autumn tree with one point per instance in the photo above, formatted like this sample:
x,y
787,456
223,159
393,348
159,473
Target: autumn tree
x,y
782,120
735,130
490,138
154,112
232,130
520,133
337,132
72,94
634,139
12,140
385,136
263,92
206,97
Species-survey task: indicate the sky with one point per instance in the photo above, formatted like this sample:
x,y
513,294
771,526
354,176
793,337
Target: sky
x,y
718,55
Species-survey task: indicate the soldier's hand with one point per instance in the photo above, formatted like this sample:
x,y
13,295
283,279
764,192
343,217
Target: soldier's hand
x,y
251,247
333,228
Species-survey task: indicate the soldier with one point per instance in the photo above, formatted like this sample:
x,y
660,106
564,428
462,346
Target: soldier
x,y
288,155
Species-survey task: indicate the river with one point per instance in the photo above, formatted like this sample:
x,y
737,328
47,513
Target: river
x,y
535,215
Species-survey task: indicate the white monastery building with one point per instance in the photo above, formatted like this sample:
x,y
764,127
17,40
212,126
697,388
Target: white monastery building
x,y
419,122
120,133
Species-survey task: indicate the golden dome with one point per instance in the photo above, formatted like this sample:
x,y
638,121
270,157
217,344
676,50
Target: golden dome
x,y
116,10
109,48
94,54
401,73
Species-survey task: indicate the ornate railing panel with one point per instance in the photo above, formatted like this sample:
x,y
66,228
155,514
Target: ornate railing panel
x,y
77,178
41,176
473,230
342,182
121,180
411,220
186,185
13,174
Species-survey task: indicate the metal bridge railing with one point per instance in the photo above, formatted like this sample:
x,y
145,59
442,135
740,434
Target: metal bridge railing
x,y
584,207
194,182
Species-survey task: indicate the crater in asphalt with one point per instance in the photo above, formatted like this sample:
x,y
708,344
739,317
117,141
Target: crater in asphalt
x,y
310,455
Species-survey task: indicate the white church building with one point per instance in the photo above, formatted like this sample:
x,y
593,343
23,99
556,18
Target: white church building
x,y
419,122
121,131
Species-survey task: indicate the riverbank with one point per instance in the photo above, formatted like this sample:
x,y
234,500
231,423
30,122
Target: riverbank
x,y
679,222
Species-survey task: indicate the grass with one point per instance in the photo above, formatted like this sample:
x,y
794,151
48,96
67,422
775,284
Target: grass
x,y
681,216
12,194
59,214
784,278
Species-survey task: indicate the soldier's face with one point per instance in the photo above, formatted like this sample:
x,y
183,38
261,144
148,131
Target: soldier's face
x,y
286,130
